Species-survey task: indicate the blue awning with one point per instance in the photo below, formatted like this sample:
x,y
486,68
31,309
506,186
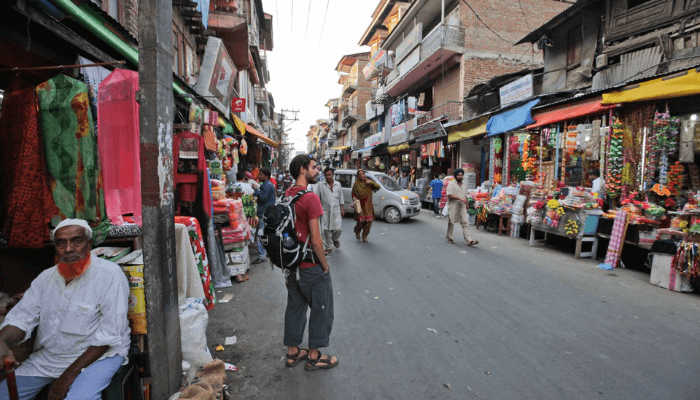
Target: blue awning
x,y
512,119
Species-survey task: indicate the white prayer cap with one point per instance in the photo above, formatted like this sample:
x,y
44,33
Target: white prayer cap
x,y
73,222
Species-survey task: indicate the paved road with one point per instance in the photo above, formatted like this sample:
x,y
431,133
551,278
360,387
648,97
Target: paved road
x,y
498,321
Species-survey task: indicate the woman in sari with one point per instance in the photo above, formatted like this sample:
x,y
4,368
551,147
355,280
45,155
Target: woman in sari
x,y
362,191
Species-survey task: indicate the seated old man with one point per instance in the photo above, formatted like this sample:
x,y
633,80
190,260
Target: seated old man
x,y
79,307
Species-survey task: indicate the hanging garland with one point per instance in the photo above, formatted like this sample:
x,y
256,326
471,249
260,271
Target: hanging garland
x,y
528,162
613,183
675,178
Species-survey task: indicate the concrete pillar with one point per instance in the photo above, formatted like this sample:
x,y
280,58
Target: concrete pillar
x,y
156,125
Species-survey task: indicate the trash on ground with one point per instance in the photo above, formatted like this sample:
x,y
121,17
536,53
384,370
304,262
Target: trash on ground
x,y
389,343
376,298
463,252
226,298
230,340
436,332
383,233
488,372
219,348
366,291
447,385
230,367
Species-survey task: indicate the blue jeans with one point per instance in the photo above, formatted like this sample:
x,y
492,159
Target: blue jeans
x,y
436,206
261,249
87,386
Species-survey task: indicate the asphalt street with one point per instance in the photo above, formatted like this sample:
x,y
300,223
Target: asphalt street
x,y
418,318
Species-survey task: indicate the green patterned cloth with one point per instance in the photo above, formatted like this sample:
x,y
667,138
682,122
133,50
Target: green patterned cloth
x,y
71,152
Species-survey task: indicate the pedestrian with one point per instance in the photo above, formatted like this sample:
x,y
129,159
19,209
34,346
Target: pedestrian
x,y
266,197
457,206
362,191
403,181
311,286
242,184
287,180
254,171
436,187
79,307
331,195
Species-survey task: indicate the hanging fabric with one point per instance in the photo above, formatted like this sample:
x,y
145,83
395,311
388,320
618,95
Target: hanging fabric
x,y
27,199
71,152
188,163
119,145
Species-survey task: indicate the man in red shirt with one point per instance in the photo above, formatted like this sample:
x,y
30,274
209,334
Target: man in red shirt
x,y
310,286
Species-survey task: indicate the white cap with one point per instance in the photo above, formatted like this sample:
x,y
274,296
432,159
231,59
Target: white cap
x,y
73,222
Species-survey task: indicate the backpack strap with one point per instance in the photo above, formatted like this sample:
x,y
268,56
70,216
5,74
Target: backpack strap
x,y
305,251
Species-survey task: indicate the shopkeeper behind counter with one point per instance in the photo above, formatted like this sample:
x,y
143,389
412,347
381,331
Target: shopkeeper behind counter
x,y
597,182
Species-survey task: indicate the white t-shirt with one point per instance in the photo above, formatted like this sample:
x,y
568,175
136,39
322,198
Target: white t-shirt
x,y
596,184
245,187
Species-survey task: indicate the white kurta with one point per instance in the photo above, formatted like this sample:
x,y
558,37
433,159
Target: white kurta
x,y
90,311
332,201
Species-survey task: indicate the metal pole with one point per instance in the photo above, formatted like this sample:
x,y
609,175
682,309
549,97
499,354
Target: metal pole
x,y
442,15
156,129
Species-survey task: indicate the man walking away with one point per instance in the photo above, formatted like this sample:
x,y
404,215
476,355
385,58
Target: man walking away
x,y
331,195
436,186
266,198
458,202
310,287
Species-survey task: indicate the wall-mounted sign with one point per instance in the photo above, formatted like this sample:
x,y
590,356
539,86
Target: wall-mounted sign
x,y
380,59
370,111
399,134
409,43
411,61
400,129
372,140
238,104
217,76
517,90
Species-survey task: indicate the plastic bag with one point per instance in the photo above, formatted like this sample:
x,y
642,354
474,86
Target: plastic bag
x,y
445,210
193,332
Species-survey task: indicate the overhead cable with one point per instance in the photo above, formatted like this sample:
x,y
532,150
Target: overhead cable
x,y
484,23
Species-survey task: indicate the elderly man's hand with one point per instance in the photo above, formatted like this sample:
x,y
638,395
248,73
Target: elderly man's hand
x,y
60,388
6,353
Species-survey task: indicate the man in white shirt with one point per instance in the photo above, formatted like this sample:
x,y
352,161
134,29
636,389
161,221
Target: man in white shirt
x,y
79,308
242,182
457,206
331,195
596,181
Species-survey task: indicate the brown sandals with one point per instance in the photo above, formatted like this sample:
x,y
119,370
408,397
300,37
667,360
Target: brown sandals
x,y
296,357
312,364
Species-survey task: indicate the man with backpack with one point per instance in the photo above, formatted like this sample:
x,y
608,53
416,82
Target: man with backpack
x,y
309,285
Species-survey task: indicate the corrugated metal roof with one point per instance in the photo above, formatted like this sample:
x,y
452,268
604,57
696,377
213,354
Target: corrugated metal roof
x,y
637,64
554,22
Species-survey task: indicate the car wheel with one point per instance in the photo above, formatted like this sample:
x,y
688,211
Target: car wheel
x,y
392,215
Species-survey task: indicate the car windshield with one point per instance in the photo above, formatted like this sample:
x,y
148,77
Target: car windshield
x,y
388,182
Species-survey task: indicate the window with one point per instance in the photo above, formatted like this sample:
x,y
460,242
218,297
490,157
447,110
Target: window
x,y
635,3
344,179
574,43
388,182
176,53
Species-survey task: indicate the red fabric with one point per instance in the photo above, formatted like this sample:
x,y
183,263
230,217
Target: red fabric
x,y
118,144
551,116
28,200
307,208
274,182
187,182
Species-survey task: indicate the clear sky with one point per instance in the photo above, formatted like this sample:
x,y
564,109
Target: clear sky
x,y
302,64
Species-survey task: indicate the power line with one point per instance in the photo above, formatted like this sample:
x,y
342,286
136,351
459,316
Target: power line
x,y
322,28
524,17
482,21
308,13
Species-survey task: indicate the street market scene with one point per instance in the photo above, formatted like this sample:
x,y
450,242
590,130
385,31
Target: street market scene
x,y
444,199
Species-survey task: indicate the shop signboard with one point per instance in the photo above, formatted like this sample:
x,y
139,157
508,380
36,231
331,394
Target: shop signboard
x,y
517,90
399,134
217,76
411,61
238,104
371,140
409,43
370,112
380,59
426,129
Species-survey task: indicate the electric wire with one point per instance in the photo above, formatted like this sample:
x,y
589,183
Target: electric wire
x,y
308,13
323,26
484,23
524,17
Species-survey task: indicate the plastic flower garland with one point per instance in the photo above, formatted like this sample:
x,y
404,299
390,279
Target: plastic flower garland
x,y
571,227
675,176
613,183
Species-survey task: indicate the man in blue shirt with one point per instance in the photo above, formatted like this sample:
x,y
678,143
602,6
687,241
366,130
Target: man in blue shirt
x,y
436,185
266,197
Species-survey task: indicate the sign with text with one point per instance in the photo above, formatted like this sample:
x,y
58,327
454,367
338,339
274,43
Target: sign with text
x,y
371,140
217,76
238,104
411,61
517,90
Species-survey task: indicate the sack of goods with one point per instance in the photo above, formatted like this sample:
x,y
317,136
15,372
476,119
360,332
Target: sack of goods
x,y
237,257
280,238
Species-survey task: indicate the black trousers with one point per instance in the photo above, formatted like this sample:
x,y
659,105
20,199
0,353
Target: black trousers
x,y
313,290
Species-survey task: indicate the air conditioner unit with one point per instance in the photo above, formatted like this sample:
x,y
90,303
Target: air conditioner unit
x,y
601,61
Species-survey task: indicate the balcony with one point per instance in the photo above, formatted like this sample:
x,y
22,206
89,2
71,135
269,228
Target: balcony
x,y
449,110
351,114
438,46
350,86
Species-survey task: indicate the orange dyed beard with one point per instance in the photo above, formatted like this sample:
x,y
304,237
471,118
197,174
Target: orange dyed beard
x,y
73,270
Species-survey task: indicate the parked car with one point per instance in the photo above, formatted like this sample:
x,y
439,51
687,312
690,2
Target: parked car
x,y
391,203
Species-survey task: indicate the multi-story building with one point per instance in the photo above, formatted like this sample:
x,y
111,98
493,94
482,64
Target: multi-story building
x,y
427,55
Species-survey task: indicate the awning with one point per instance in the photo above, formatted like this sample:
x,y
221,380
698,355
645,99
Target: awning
x,y
341,148
367,151
684,83
567,112
467,129
239,123
260,135
438,134
511,119
396,149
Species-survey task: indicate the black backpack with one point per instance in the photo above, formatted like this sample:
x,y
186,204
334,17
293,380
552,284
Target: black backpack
x,y
279,220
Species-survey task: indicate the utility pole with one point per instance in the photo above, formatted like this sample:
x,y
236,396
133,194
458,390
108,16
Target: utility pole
x,y
286,118
156,146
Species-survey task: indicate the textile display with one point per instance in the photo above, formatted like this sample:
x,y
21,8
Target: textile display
x,y
189,283
200,255
27,199
71,152
119,144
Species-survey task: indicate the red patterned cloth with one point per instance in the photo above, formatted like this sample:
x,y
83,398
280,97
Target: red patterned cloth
x,y
200,254
28,201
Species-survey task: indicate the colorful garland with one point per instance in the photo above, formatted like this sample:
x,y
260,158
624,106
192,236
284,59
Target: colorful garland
x,y
675,178
613,183
571,227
